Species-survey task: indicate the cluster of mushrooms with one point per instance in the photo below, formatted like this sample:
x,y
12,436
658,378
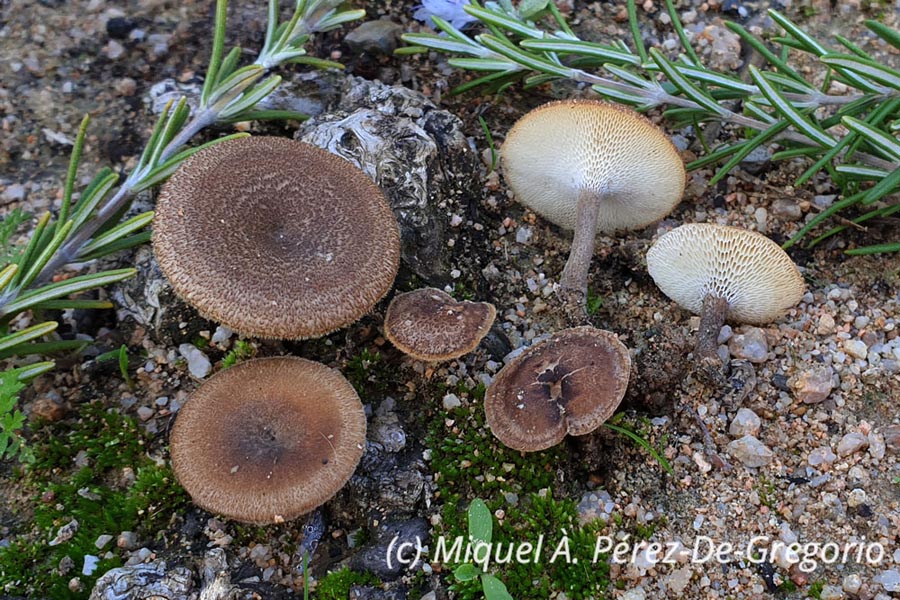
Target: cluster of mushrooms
x,y
279,239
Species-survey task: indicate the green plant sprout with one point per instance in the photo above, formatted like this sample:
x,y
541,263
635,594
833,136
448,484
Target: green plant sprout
x,y
614,425
121,355
94,224
854,142
490,140
481,524
11,419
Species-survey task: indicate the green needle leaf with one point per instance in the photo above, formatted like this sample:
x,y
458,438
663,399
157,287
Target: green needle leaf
x,y
59,289
26,335
790,113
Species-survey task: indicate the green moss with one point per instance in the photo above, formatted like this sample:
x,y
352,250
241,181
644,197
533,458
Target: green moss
x,y
242,350
469,462
336,585
815,590
90,495
369,374
787,586
559,567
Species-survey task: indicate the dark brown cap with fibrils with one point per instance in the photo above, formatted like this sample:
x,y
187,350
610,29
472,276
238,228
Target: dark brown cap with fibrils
x,y
276,238
568,384
430,325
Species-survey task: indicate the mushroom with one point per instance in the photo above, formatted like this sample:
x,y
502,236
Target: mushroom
x,y
591,167
268,439
430,325
275,238
722,272
568,384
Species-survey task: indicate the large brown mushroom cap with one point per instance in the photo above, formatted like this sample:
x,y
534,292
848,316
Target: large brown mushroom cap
x,y
268,439
568,384
559,149
752,273
276,238
428,324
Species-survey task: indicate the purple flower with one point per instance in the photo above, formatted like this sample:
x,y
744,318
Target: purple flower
x,y
449,10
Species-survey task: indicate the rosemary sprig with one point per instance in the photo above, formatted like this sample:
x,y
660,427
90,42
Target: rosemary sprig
x,y
95,224
855,142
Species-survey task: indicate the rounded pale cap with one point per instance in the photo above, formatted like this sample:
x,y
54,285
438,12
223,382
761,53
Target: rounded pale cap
x,y
559,149
751,272
568,384
276,238
268,439
430,325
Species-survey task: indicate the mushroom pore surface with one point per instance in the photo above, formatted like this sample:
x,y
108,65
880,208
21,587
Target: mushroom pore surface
x,y
568,384
268,439
752,273
276,238
562,148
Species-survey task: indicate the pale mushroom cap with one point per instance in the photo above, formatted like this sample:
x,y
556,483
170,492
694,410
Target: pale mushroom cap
x,y
560,148
268,439
568,384
428,324
276,238
751,272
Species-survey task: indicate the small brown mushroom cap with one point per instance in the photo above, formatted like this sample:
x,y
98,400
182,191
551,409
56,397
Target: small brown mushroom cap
x,y
559,149
568,384
428,324
276,238
752,273
268,439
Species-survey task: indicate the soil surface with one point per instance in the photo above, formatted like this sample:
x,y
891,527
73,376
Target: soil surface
x,y
801,444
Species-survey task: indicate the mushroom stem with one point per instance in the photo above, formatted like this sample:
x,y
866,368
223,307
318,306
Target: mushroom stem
x,y
712,317
575,274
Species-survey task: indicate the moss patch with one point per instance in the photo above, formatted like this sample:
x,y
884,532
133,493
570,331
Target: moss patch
x,y
105,443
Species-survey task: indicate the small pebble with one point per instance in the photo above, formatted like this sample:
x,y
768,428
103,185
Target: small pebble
x,y
451,401
750,345
856,349
889,580
851,443
198,363
745,422
90,564
750,451
851,583
814,385
826,325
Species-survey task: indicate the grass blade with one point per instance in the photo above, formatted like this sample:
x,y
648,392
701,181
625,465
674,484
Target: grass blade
x,y
636,31
876,249
643,444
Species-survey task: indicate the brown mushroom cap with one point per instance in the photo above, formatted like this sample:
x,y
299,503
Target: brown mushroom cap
x,y
276,238
268,439
558,150
430,325
752,273
568,384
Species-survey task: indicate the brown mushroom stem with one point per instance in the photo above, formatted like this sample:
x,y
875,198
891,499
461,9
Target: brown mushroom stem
x,y
712,317
575,274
